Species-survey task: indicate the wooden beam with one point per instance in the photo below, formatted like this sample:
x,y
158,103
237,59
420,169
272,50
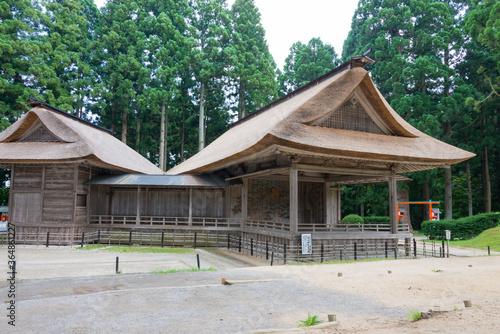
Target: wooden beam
x,y
260,173
346,171
294,201
190,209
138,207
244,202
393,202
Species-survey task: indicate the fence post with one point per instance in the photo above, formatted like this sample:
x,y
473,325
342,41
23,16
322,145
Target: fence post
x,y
48,233
198,260
99,236
228,241
322,251
414,247
195,234
130,239
162,238
386,250
267,249
443,249
239,245
355,252
272,258
396,253
341,255
83,238
284,253
14,270
251,246
117,264
489,253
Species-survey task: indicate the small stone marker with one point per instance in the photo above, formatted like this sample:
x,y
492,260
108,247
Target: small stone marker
x,y
389,271
470,265
340,275
223,281
467,303
332,317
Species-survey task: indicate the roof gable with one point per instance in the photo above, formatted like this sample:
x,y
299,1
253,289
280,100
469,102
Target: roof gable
x,y
38,133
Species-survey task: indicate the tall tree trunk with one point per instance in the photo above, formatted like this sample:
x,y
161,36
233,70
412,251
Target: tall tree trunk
x,y
182,131
113,116
124,126
162,137
241,103
486,181
201,126
448,213
138,133
469,187
426,196
362,203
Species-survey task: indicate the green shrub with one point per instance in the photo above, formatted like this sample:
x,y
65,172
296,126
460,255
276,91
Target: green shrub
x,y
310,321
377,219
352,219
463,228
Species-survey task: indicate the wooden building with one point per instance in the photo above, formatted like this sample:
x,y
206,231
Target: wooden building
x,y
274,175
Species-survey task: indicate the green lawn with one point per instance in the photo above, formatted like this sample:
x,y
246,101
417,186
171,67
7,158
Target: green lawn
x,y
171,271
489,237
123,249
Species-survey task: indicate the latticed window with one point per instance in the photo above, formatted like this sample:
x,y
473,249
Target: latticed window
x,y
351,116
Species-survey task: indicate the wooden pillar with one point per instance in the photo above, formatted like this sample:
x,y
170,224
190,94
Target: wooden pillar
x,y
294,201
75,189
332,203
244,202
138,210
11,195
190,209
393,206
108,200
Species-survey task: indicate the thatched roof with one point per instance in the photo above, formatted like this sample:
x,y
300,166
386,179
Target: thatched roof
x,y
46,134
325,118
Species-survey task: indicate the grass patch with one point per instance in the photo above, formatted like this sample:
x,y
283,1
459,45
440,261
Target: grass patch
x,y
310,321
343,261
172,271
487,238
414,315
92,247
418,234
148,250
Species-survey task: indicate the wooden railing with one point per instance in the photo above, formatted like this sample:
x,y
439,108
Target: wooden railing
x,y
267,225
164,222
356,227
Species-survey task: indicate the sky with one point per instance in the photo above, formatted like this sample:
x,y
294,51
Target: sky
x,y
289,21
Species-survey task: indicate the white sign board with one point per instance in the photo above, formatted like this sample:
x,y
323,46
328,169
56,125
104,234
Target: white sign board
x,y
306,244
448,234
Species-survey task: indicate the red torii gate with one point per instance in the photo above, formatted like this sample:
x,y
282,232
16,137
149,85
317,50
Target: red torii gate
x,y
431,212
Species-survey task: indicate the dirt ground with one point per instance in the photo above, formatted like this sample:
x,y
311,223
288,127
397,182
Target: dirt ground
x,y
67,290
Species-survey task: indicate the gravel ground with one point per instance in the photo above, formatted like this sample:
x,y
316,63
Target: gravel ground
x,y
366,299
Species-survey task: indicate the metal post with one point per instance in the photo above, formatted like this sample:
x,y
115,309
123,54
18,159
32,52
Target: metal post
x,y
448,248
83,238
251,246
130,239
414,247
489,253
443,248
386,250
48,239
239,245
355,251
284,253
341,255
267,249
272,258
14,270
198,260
117,264
162,238
228,241
396,253
99,236
195,234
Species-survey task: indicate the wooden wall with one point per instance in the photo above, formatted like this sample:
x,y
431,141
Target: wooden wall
x,y
311,203
51,195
